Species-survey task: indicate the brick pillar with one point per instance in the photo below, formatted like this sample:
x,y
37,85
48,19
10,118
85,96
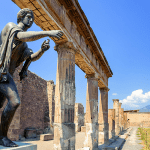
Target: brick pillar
x,y
79,116
51,102
116,107
111,121
120,117
91,118
64,127
103,117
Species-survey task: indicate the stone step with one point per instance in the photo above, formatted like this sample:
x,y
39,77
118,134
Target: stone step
x,y
46,137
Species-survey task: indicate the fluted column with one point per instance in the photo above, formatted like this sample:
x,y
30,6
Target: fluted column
x,y
64,127
91,118
103,116
116,107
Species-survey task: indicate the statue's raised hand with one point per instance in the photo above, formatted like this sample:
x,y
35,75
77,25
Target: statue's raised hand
x,y
56,33
45,45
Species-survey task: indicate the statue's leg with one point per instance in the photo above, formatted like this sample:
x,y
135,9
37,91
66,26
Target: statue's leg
x,y
10,91
23,72
2,99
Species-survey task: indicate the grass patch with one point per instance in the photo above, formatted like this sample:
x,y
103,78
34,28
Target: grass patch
x,y
144,134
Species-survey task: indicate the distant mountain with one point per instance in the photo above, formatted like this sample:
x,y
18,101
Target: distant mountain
x,y
145,109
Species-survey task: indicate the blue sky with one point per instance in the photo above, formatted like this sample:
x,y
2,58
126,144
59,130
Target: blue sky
x,y
123,31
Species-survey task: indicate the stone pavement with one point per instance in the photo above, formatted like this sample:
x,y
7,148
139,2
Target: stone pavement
x,y
128,140
132,142
115,144
48,145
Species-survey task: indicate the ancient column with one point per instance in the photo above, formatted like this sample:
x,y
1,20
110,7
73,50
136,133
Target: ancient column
x,y
111,122
91,118
116,107
103,117
122,119
125,120
64,127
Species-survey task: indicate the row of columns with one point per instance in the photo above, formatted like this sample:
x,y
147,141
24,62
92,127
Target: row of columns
x,y
64,127
120,117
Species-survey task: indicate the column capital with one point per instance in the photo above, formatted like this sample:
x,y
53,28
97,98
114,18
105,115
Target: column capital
x,y
65,46
120,104
105,89
115,100
92,76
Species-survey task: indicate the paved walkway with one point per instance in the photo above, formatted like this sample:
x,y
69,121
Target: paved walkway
x,y
132,142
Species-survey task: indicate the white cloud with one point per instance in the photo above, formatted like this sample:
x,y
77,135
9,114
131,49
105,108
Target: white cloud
x,y
114,94
136,98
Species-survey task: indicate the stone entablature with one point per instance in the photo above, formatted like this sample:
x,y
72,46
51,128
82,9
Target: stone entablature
x,y
69,17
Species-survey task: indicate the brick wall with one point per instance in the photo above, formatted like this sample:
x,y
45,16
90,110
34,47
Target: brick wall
x,y
37,105
135,119
34,103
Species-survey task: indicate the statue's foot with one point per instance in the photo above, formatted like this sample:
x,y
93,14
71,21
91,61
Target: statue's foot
x,y
7,142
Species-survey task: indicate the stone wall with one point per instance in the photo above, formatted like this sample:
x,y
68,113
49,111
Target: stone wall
x,y
34,104
79,116
37,105
136,119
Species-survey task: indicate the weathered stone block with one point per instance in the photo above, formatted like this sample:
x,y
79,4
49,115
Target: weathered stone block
x,y
46,137
83,128
30,133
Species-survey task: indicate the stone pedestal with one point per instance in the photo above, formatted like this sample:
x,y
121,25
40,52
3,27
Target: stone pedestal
x,y
21,146
103,117
64,127
116,107
91,118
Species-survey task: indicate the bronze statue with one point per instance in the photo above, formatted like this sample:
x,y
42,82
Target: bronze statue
x,y
13,52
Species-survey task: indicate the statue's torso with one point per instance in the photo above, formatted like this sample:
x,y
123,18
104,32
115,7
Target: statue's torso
x,y
18,48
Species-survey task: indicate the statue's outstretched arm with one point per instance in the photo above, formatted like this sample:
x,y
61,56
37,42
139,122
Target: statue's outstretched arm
x,y
33,35
44,47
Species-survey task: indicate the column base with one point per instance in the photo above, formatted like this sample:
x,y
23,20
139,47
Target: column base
x,y
91,136
21,146
64,136
103,133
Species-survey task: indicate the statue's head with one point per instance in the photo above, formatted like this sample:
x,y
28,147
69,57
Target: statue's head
x,y
26,16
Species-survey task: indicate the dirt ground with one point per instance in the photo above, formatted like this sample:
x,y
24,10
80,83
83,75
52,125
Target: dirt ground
x,y
48,145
